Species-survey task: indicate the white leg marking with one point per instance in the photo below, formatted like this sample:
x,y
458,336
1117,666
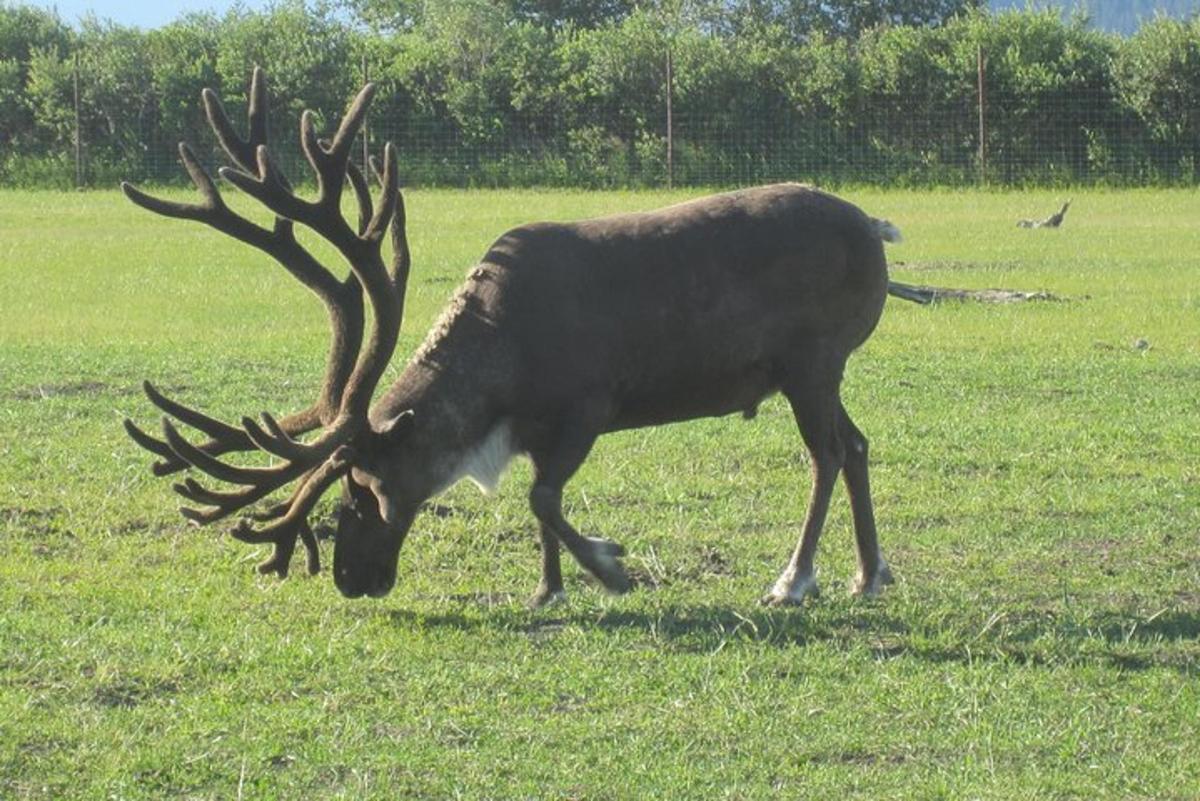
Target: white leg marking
x,y
542,599
791,589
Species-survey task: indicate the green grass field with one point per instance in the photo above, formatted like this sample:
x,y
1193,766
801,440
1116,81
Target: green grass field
x,y
1037,487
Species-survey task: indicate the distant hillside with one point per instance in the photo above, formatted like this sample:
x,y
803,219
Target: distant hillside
x,y
1121,16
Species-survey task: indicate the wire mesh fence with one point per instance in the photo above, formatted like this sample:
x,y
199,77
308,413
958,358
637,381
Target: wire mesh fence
x,y
956,136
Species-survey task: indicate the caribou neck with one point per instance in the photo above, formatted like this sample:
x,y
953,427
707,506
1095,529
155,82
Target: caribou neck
x,y
460,394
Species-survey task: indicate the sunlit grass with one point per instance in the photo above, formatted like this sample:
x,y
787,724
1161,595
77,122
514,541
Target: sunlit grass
x,y
1036,484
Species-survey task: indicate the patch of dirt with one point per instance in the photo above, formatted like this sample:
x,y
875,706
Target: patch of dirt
x,y
140,527
487,600
954,265
68,389
439,510
936,294
34,521
651,572
41,527
1188,599
126,694
566,703
863,758
40,746
639,577
713,562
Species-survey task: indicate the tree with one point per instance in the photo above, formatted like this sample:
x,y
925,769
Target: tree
x,y
398,16
305,49
183,62
1158,77
116,90
805,19
24,31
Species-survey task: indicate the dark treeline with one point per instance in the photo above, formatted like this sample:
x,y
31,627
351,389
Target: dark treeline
x,y
574,92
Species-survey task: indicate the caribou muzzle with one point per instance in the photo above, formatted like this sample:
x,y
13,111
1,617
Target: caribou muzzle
x,y
366,548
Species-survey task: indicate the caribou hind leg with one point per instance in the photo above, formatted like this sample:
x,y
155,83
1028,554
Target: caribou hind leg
x,y
817,409
873,572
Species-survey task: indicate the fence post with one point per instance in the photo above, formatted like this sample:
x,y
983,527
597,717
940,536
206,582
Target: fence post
x,y
670,124
366,144
78,128
981,63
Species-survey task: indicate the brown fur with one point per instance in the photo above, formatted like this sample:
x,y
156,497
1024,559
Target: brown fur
x,y
569,331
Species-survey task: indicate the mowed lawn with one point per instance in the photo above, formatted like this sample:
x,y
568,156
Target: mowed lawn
x,y
1036,470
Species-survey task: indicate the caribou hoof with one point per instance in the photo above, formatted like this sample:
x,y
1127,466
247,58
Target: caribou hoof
x,y
792,592
544,597
869,586
601,560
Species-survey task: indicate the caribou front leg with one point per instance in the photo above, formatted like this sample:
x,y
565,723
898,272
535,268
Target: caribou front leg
x,y
555,458
550,588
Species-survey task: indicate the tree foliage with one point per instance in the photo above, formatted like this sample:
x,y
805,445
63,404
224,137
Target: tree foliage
x,y
575,91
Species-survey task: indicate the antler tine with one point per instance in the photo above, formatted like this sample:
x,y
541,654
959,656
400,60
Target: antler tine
x,y
169,462
389,196
222,504
191,417
330,163
241,151
196,492
279,562
284,530
265,183
352,369
212,209
277,442
362,192
401,256
276,476
256,112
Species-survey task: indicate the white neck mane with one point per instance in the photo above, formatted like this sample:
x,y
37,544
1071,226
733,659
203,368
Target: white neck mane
x,y
485,461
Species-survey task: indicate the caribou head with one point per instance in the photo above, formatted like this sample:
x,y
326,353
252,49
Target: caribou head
x,y
344,440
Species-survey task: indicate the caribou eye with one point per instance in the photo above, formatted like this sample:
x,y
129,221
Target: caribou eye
x,y
396,429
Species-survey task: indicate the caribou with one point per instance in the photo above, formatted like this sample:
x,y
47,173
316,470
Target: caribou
x,y
561,333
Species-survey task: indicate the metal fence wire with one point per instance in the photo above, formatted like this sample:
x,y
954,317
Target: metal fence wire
x,y
972,134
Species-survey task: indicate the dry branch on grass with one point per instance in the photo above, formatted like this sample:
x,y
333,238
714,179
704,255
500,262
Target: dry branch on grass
x,y
931,294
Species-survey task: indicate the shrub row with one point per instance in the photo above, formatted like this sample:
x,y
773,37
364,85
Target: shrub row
x,y
476,96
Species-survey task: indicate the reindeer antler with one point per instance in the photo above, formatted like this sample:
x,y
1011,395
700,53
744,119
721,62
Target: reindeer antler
x,y
352,370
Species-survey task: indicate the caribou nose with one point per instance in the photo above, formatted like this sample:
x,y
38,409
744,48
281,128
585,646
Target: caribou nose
x,y
347,585
382,585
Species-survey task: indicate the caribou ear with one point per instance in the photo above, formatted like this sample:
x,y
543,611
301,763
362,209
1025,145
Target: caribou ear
x,y
370,480
395,430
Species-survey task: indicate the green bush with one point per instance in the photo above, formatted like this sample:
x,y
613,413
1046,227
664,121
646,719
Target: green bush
x,y
479,93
